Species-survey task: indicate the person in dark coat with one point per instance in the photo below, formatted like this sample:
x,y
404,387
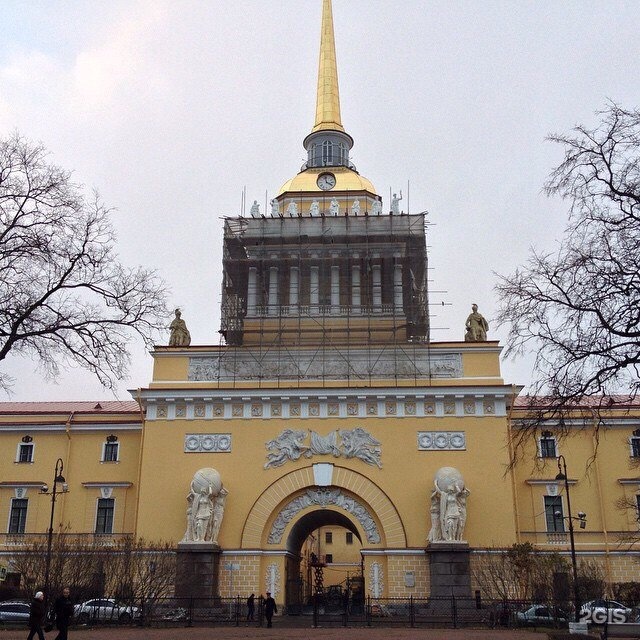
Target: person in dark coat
x,y
251,606
37,615
269,608
64,612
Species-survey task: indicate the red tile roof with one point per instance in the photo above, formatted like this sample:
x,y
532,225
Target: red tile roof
x,y
602,402
88,406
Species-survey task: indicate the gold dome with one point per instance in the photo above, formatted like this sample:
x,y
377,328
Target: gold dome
x,y
346,180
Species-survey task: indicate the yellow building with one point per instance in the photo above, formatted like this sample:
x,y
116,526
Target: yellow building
x,y
328,409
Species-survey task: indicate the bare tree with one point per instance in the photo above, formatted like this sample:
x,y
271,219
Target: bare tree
x,y
64,296
578,308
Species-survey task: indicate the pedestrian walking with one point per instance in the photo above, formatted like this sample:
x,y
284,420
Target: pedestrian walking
x,y
37,614
269,608
64,612
251,607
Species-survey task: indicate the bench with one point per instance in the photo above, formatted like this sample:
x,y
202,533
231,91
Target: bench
x,y
621,630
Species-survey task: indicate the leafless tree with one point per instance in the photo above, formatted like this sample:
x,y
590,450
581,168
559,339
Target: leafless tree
x,y
578,308
64,296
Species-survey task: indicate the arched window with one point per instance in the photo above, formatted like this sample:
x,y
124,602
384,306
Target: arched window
x,y
343,153
327,153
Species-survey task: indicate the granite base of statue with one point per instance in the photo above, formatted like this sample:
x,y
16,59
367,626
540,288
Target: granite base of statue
x,y
197,571
450,570
198,554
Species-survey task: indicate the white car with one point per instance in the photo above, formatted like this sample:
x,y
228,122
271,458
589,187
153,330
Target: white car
x,y
600,611
104,610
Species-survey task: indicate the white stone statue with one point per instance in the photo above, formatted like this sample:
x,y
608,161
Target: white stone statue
x,y
314,209
255,209
376,208
334,207
355,208
395,203
205,507
476,326
292,210
448,506
275,208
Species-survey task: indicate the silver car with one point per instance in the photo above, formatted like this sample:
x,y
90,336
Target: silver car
x,y
14,612
104,610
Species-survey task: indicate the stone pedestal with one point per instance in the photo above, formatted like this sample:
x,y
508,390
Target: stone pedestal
x,y
449,564
197,570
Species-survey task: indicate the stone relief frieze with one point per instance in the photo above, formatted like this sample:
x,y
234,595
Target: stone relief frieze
x,y
322,498
291,445
207,443
234,364
441,441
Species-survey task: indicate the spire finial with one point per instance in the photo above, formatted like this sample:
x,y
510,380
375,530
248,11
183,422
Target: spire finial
x,y
328,100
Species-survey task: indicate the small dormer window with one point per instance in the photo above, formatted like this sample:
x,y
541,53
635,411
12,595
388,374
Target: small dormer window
x,y
547,445
634,444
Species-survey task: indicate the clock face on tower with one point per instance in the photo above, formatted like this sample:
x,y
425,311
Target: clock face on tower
x,y
326,181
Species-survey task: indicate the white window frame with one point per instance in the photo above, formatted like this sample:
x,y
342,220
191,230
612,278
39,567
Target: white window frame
x,y
555,446
113,520
33,451
104,450
631,440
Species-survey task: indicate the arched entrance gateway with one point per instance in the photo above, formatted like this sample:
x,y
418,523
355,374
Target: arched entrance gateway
x,y
308,499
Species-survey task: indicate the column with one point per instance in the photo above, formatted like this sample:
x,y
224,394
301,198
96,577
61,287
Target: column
x,y
335,288
397,287
314,288
355,288
273,291
293,290
377,286
252,291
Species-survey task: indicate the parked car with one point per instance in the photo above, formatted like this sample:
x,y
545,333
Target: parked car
x,y
105,610
541,615
600,611
11,611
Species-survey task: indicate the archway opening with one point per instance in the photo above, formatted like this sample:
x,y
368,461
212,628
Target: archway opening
x,y
324,553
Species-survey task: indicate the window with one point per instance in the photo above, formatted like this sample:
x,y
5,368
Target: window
x,y
349,537
110,452
327,153
329,558
553,506
18,515
547,445
638,507
634,443
104,518
328,537
25,453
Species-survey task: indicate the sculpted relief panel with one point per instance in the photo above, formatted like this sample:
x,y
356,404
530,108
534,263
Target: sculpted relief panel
x,y
322,498
348,443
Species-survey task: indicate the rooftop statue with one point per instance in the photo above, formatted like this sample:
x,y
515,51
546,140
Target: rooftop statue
x,y
476,326
395,203
255,209
314,209
180,336
334,207
355,207
275,208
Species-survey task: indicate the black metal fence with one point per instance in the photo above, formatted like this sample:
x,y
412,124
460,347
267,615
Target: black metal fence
x,y
450,612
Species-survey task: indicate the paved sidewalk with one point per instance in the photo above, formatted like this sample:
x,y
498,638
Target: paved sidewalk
x,y
275,633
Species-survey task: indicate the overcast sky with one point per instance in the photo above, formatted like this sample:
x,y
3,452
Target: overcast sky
x,y
169,108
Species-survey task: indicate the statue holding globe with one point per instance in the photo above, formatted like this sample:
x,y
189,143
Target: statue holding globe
x,y
205,507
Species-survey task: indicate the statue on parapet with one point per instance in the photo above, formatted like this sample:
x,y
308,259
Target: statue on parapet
x,y
179,336
395,203
255,209
476,326
275,208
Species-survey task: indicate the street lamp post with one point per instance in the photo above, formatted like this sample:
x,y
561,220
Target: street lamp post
x,y
58,478
582,518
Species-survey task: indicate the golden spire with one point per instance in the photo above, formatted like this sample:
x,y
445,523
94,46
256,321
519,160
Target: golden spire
x,y
328,100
